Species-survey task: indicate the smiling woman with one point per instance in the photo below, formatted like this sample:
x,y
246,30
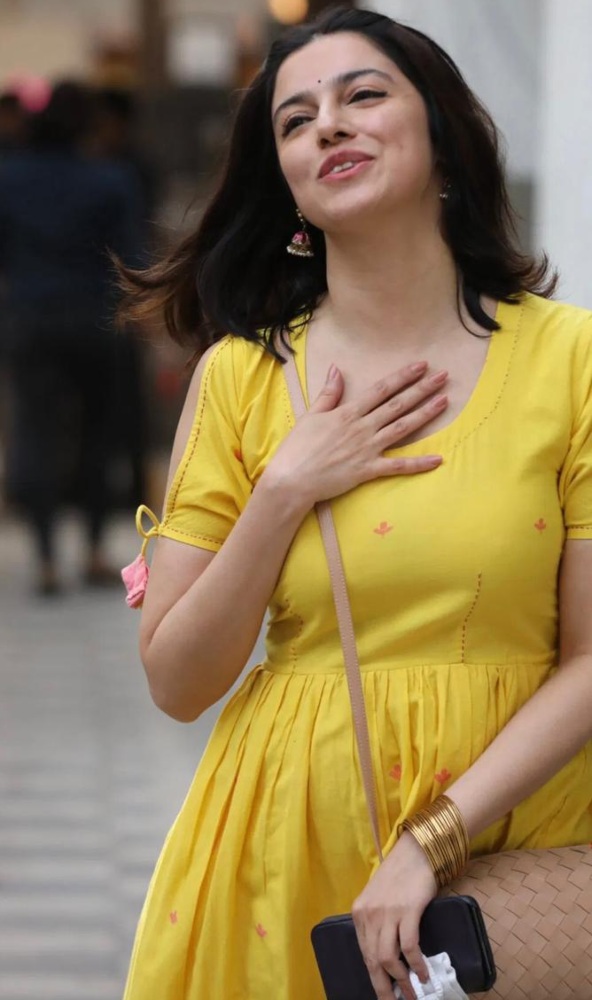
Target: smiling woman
x,y
448,420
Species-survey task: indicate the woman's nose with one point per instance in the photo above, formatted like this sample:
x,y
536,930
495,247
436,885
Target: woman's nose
x,y
332,126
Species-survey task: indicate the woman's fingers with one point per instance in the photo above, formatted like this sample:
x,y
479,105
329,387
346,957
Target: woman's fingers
x,y
403,466
407,400
331,393
383,961
368,939
409,941
386,388
382,984
395,432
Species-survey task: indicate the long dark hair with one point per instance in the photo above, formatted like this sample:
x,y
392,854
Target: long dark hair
x,y
233,274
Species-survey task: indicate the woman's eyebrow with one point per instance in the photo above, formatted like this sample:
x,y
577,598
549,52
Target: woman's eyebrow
x,y
339,80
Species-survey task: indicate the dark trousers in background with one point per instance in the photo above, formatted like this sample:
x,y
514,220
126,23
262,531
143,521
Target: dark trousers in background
x,y
58,450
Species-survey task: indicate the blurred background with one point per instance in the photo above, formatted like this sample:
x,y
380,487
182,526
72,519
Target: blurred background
x,y
113,121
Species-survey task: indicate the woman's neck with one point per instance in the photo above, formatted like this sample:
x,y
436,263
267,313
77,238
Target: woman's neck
x,y
394,283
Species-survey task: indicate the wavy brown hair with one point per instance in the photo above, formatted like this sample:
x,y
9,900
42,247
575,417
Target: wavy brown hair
x,y
232,275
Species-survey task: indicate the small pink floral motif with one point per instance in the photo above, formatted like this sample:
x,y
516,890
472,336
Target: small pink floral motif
x,y
383,528
443,776
541,524
261,931
395,772
173,917
135,578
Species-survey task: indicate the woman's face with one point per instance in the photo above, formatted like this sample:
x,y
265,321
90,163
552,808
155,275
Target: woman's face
x,y
351,133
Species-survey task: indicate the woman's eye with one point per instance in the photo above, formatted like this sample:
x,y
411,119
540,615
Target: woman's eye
x,y
362,95
293,123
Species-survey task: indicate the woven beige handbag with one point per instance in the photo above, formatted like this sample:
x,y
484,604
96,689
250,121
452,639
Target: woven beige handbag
x,y
537,905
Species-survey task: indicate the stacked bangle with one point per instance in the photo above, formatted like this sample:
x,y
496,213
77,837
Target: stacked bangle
x,y
442,833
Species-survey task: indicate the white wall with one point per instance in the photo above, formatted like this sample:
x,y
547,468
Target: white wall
x,y
496,44
564,167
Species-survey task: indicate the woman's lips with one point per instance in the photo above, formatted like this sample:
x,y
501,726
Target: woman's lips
x,y
343,172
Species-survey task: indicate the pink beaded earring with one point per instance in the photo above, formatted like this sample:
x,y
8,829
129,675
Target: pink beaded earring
x,y
300,245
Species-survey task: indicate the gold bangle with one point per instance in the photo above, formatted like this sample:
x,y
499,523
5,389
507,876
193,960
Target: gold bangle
x,y
441,832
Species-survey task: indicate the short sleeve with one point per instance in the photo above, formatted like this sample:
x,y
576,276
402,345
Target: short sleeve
x,y
210,488
575,482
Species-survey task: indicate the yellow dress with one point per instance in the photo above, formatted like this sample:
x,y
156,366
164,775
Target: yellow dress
x,y
453,584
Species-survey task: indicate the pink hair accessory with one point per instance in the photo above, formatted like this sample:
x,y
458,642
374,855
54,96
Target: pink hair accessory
x,y
135,576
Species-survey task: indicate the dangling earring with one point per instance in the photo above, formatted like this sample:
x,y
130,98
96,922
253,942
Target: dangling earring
x,y
300,245
445,192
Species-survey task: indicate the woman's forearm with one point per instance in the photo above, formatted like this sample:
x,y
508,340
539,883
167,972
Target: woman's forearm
x,y
203,642
537,742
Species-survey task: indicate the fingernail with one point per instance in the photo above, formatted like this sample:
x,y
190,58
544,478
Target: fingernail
x,y
433,460
332,373
439,400
419,367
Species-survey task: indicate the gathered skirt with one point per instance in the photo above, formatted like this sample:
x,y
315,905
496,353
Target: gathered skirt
x,y
274,834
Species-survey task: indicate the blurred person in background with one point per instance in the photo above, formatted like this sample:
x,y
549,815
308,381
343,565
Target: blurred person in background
x,y
60,214
114,140
13,123
115,137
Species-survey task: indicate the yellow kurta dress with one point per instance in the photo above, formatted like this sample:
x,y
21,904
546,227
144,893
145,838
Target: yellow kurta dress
x,y
452,577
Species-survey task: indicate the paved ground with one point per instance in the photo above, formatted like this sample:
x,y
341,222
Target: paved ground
x,y
91,776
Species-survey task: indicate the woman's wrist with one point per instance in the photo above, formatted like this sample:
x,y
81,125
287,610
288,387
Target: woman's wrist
x,y
441,832
291,499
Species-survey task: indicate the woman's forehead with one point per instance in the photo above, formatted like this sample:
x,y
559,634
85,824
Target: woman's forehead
x,y
326,58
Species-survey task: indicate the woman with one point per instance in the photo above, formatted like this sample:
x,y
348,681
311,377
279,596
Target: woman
x,y
452,435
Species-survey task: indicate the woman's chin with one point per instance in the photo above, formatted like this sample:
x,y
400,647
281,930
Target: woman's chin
x,y
359,216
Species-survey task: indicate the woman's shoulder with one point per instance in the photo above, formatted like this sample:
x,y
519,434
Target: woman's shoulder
x,y
555,326
555,346
245,364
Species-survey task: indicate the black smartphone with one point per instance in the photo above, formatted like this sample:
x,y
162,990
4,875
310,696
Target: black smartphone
x,y
453,924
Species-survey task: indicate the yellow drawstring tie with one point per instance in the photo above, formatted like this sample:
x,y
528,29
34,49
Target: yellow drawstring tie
x,y
151,532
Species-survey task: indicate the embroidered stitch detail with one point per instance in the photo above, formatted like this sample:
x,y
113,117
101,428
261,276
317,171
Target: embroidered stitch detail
x,y
463,639
173,917
383,528
395,772
443,776
498,399
300,628
261,931
196,427
190,534
540,525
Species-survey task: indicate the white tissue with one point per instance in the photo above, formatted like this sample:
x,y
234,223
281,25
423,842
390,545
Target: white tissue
x,y
443,983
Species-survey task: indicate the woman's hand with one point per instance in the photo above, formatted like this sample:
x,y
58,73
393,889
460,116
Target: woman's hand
x,y
387,914
334,448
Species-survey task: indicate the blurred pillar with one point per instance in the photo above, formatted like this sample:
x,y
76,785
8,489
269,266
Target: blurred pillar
x,y
153,44
564,198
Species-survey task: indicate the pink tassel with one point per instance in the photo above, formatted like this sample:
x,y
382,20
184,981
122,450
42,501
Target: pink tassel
x,y
135,578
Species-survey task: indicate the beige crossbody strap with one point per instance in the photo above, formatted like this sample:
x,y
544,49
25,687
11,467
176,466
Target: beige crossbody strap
x,y
344,621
